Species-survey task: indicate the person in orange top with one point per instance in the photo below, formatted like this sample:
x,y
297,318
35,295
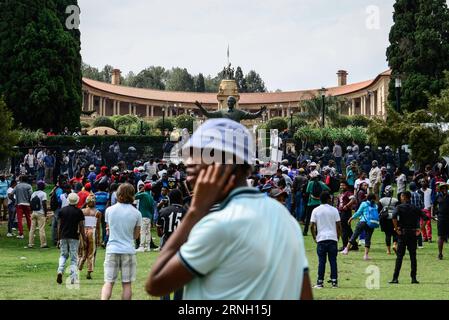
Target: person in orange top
x,y
83,194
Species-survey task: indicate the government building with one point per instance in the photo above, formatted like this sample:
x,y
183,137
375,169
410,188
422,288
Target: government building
x,y
367,98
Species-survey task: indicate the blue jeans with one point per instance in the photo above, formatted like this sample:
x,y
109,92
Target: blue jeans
x,y
338,163
299,211
327,250
11,217
69,248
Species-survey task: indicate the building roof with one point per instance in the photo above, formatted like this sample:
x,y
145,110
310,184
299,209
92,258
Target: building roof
x,y
211,98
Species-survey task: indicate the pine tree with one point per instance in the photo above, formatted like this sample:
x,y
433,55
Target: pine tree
x,y
200,85
254,82
419,50
40,64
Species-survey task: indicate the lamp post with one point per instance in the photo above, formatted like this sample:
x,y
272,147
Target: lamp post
x,y
322,92
163,119
398,86
291,120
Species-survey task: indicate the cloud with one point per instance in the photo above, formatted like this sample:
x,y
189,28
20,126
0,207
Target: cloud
x,y
292,44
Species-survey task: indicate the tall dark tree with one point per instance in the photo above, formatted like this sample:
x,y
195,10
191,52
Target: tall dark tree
x,y
419,50
254,82
200,86
91,72
240,80
150,78
107,73
180,80
40,64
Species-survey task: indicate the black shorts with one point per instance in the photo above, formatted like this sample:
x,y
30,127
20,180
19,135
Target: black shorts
x,y
443,228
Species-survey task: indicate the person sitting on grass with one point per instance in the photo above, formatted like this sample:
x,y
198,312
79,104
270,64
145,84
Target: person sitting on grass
x,y
362,214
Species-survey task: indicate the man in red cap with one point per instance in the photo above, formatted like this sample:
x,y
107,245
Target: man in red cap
x,y
83,194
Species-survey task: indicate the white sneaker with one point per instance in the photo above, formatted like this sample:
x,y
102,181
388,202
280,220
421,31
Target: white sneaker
x,y
420,247
20,237
157,249
14,229
361,242
141,249
10,235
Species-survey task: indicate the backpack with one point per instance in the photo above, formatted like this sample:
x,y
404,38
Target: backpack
x,y
372,217
36,204
316,190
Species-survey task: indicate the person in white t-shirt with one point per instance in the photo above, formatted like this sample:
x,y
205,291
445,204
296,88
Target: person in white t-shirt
x,y
123,228
39,215
326,230
362,179
426,226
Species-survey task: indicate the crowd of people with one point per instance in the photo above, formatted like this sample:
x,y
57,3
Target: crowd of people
x,y
114,201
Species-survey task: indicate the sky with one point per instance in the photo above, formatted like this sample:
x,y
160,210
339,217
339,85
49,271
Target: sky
x,y
293,44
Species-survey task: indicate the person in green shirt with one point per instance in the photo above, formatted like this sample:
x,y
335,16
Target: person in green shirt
x,y
146,207
314,189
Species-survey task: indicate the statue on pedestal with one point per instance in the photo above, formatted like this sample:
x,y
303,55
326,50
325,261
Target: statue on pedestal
x,y
232,113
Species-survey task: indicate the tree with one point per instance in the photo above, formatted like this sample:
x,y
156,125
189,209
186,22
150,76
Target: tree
x,y
104,122
91,72
254,82
185,121
240,80
419,50
164,124
313,109
8,135
150,78
180,80
106,74
40,65
200,86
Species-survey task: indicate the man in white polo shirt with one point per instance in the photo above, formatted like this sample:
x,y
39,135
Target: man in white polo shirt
x,y
234,243
326,230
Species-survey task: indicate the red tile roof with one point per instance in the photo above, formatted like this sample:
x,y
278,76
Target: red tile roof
x,y
211,98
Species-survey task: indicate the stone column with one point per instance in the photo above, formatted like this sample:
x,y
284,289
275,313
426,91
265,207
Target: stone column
x,y
363,105
353,107
152,111
372,105
130,109
148,111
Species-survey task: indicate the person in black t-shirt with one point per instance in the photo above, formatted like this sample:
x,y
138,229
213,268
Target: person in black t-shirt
x,y
70,226
170,217
167,222
406,218
441,209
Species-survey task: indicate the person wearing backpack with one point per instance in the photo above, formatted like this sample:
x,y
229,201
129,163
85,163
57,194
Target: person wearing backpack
x,y
39,215
314,189
387,206
368,216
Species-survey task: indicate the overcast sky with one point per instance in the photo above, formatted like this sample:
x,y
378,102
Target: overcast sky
x,y
293,44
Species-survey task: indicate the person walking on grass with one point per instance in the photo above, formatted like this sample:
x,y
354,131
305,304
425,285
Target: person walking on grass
x,y
39,215
123,223
406,219
387,206
345,202
326,231
70,228
23,192
88,248
441,210
146,208
366,214
314,189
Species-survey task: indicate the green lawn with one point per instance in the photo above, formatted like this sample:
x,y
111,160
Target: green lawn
x,y
31,274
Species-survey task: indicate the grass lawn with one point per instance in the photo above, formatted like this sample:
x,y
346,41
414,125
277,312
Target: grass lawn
x,y
31,274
